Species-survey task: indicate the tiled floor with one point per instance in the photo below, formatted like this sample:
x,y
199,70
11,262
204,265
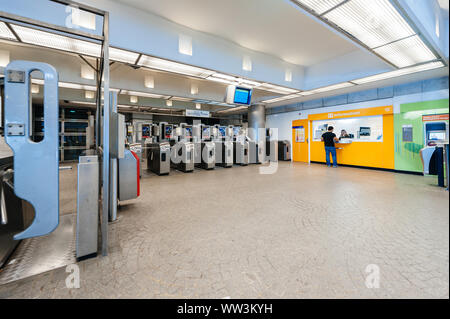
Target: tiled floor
x,y
304,232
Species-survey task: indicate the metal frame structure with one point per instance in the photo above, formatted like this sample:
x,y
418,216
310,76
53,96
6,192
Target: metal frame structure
x,y
102,70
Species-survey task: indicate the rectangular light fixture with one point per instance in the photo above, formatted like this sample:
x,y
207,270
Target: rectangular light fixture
x,y
133,99
283,98
400,72
277,89
198,106
142,94
89,94
320,6
406,52
224,76
288,76
34,88
56,41
83,19
182,99
332,87
248,82
211,78
374,23
149,82
169,102
87,72
124,56
194,89
174,67
5,32
4,58
246,63
185,44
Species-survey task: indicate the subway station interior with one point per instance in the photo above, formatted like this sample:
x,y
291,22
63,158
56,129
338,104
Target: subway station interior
x,y
207,149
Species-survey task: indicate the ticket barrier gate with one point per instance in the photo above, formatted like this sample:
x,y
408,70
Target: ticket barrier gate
x,y
205,155
158,159
240,153
224,153
182,156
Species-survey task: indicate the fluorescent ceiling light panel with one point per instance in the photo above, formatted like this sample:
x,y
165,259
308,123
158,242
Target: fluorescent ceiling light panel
x,y
120,55
224,76
320,6
182,99
169,66
332,87
221,80
5,32
248,82
406,52
143,94
56,41
374,23
400,72
277,89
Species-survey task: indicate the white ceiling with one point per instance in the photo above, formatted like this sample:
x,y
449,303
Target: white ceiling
x,y
275,27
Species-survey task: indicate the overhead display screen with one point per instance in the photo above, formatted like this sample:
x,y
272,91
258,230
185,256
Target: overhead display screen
x,y
242,96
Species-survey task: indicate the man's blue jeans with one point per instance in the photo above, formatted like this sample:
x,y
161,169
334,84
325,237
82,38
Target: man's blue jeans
x,y
331,150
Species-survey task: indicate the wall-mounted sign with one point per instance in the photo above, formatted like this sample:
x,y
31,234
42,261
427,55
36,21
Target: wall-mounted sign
x,y
197,113
381,110
299,134
435,117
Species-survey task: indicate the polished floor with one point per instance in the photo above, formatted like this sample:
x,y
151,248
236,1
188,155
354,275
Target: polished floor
x,y
303,232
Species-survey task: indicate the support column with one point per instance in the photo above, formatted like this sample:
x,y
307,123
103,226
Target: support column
x,y
256,120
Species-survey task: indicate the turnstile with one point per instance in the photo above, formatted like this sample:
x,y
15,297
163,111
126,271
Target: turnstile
x,y
224,153
158,158
182,156
205,156
240,153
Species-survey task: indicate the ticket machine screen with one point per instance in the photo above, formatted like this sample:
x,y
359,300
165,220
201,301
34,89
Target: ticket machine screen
x,y
222,130
145,131
169,129
206,132
188,131
436,136
236,131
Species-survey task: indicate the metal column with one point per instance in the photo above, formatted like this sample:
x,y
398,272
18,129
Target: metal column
x,y
256,120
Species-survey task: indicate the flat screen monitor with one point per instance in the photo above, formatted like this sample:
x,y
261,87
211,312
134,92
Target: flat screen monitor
x,y
436,136
242,96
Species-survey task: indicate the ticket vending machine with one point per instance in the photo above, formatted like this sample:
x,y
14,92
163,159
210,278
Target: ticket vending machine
x,y
434,155
284,150
240,147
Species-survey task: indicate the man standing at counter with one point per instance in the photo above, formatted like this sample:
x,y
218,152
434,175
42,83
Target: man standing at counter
x,y
329,138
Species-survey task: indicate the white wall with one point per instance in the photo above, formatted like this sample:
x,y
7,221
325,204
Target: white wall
x,y
283,121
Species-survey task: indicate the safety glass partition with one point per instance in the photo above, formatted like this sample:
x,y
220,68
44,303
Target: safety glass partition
x,y
359,129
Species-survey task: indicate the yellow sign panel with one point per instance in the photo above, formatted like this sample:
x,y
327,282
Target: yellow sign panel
x,y
381,110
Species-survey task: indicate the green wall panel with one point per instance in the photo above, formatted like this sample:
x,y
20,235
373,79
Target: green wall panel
x,y
407,157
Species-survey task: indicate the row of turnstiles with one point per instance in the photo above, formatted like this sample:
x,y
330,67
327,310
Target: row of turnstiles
x,y
185,147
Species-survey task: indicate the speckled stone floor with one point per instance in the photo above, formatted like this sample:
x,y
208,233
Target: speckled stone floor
x,y
304,232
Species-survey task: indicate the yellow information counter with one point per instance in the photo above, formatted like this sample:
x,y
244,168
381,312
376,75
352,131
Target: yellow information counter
x,y
371,143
